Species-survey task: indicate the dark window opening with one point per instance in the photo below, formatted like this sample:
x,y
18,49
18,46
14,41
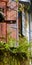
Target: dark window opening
x,y
20,29
1,14
1,17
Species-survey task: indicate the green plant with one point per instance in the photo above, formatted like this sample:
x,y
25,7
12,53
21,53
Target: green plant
x,y
17,0
24,45
11,41
22,48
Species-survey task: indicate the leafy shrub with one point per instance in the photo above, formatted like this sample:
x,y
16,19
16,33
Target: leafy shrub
x,y
22,48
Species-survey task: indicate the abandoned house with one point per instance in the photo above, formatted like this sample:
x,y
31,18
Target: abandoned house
x,y
14,22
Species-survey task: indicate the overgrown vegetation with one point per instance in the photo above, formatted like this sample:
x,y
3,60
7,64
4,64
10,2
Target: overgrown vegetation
x,y
23,6
11,55
22,47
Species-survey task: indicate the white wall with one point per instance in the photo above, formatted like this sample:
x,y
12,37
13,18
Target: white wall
x,y
25,24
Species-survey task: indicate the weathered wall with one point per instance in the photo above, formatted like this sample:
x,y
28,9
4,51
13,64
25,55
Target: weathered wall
x,y
10,13
3,31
